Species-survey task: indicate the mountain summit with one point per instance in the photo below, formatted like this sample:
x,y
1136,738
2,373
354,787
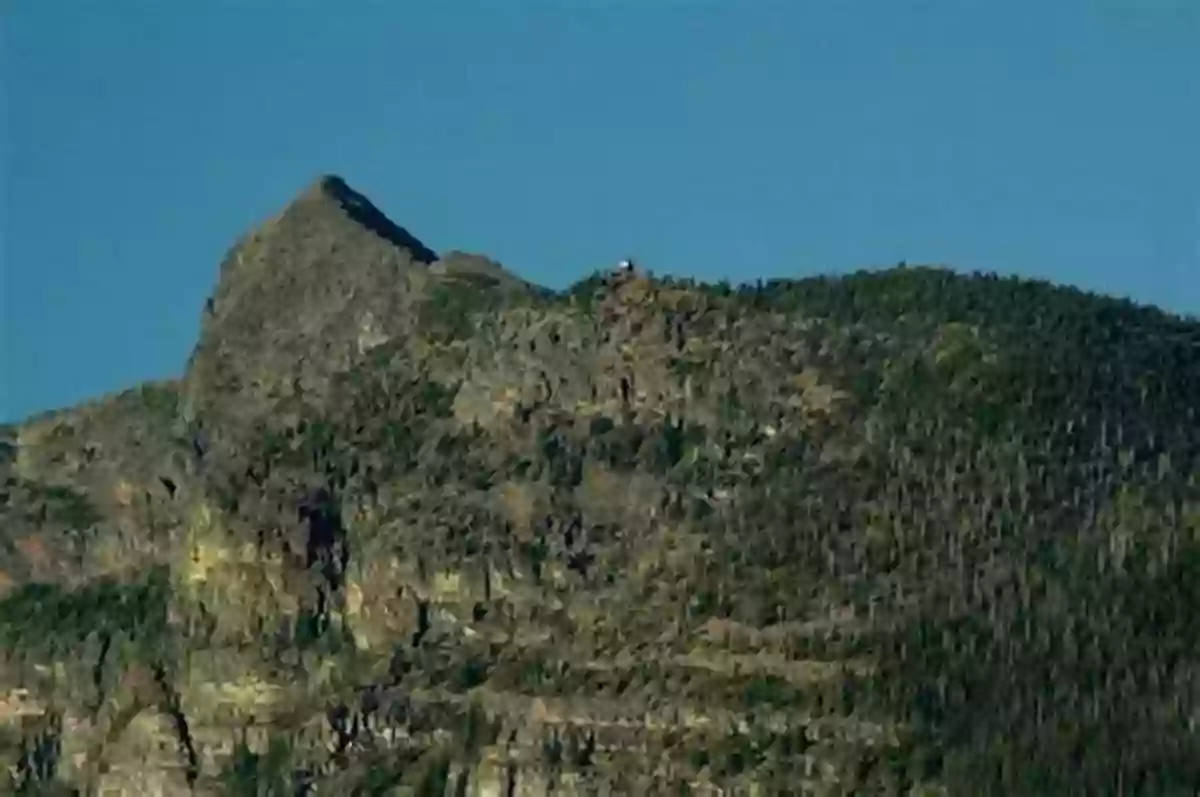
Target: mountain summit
x,y
360,210
410,524
295,297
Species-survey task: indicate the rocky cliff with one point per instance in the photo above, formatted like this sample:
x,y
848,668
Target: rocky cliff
x,y
409,524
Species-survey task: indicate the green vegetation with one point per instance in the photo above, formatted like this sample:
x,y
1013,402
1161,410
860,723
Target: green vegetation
x,y
54,621
249,774
454,305
890,533
160,401
61,505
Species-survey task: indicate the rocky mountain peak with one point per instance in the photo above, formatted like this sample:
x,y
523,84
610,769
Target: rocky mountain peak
x,y
292,296
412,525
333,189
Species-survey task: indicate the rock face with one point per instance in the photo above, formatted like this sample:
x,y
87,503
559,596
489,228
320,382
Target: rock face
x,y
294,299
411,525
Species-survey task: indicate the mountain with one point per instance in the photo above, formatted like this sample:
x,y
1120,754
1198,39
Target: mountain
x,y
410,524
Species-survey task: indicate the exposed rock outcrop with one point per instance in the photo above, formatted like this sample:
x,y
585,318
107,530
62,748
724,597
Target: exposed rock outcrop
x,y
409,524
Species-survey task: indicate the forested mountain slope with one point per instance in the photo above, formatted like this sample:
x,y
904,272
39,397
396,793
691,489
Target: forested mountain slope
x,y
409,524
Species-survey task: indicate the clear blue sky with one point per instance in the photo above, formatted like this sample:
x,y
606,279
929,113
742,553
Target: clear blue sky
x,y
718,139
